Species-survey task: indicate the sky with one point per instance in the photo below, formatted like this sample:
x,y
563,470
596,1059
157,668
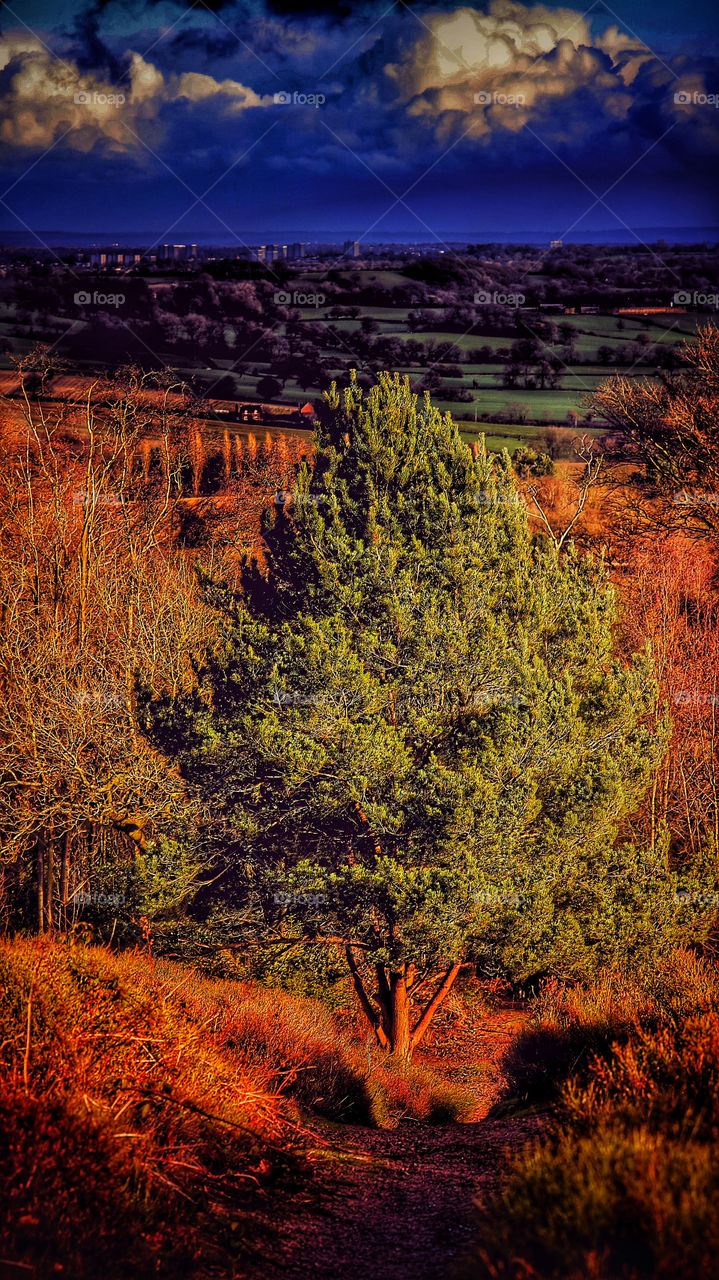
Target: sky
x,y
238,121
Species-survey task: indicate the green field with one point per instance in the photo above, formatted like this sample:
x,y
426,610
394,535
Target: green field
x,y
478,393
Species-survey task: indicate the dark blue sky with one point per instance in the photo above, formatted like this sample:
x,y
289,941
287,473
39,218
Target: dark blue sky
x,y
432,120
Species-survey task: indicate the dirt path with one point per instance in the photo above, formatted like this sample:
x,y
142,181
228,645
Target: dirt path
x,y
400,1204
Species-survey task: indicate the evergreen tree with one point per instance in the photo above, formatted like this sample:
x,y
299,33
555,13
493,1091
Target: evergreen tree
x,y
413,739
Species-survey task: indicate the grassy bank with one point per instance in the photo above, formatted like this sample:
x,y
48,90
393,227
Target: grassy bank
x,y
150,1118
624,1186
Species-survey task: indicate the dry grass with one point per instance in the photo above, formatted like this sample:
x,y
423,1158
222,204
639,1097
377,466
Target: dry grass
x,y
295,1042
625,1185
130,1139
150,1117
574,1023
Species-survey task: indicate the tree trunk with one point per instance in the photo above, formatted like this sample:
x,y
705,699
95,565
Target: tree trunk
x,y
370,1013
439,996
64,880
40,885
391,1022
384,998
50,883
400,1036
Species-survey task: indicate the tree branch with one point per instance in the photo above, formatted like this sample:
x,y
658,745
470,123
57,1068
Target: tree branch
x,y
442,990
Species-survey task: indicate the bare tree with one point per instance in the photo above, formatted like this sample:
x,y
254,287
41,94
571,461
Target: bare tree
x,y
591,461
668,429
92,599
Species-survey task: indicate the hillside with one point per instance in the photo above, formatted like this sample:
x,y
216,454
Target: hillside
x,y
152,1122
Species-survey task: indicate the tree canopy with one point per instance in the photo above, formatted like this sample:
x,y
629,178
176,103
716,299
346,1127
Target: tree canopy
x,y
412,736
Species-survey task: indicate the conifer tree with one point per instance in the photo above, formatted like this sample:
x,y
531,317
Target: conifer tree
x,y
413,739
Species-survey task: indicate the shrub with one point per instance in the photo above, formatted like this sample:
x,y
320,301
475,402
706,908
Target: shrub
x,y
613,1205
575,1023
666,1077
624,1185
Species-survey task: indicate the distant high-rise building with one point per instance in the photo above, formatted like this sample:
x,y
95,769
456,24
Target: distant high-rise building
x,y
176,252
352,248
296,251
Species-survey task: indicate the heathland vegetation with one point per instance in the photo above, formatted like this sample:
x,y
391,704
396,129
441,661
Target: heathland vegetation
x,y
319,758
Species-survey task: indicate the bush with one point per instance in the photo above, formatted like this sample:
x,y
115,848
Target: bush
x,y
666,1077
570,1024
527,462
614,1205
625,1185
573,1024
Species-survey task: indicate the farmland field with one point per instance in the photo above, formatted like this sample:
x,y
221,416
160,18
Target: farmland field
x,y
473,364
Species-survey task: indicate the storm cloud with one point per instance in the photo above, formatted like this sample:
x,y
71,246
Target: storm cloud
x,y
355,107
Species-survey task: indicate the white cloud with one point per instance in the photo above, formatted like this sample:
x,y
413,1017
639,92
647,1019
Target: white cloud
x,y
518,59
43,97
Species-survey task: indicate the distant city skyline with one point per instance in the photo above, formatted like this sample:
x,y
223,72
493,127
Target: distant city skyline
x,y
138,239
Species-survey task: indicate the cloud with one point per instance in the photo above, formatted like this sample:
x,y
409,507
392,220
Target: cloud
x,y
446,104
44,98
476,73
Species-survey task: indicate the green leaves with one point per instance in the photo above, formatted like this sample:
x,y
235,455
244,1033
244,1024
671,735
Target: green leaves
x,y
417,706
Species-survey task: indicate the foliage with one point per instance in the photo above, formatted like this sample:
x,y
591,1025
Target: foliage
x,y
625,1183
527,462
415,716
